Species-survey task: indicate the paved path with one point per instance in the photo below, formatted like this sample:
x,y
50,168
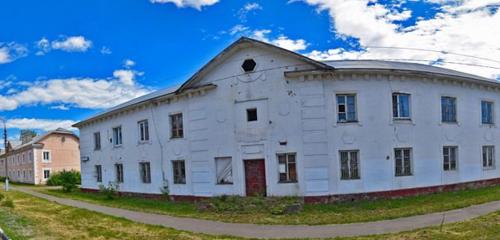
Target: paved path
x,y
281,231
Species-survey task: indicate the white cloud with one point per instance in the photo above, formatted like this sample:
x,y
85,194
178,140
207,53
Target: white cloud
x,y
72,44
105,50
246,9
238,29
197,4
465,27
43,46
90,93
128,63
60,107
41,124
11,51
282,41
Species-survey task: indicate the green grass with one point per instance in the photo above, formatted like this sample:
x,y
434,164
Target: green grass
x,y
35,218
362,211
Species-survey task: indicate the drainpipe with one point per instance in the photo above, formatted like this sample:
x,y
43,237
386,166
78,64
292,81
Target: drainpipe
x,y
164,179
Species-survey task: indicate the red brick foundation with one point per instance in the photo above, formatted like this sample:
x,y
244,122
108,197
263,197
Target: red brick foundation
x,y
339,197
401,192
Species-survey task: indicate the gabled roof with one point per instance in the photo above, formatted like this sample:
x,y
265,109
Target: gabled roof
x,y
39,138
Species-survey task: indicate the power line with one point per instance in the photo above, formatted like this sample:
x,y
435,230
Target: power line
x,y
437,51
423,60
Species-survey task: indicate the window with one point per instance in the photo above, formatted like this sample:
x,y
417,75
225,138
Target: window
x,y
179,171
98,171
176,125
46,174
346,107
224,170
486,112
401,106
252,114
248,65
46,156
117,136
97,141
349,165
402,157
450,158
119,173
143,130
145,171
488,157
287,167
449,109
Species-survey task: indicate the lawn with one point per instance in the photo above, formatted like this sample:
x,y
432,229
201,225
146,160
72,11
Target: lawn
x,y
362,211
34,218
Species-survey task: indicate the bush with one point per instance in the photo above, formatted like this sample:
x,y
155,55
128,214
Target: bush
x,y
110,190
2,179
67,179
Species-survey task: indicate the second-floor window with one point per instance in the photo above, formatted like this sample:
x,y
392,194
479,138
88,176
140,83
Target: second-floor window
x,y
346,108
143,130
486,112
401,106
402,157
449,109
97,140
176,125
450,158
46,156
117,136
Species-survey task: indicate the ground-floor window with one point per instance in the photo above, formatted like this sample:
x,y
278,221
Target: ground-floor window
x,y
287,167
98,173
488,157
224,170
450,158
349,165
46,174
179,171
119,173
402,157
145,171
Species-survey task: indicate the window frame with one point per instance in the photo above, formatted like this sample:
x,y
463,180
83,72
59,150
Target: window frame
x,y
98,170
397,107
176,131
145,172
403,173
346,108
349,165
175,172
449,165
290,178
119,173
256,114
43,156
143,128
492,160
115,138
454,121
492,112
217,177
97,141
43,173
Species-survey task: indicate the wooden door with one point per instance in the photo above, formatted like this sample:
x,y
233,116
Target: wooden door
x,y
255,177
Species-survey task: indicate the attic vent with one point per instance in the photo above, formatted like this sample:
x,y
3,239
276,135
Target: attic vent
x,y
248,65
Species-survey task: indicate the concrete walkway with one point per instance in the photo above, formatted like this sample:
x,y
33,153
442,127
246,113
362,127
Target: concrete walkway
x,y
281,231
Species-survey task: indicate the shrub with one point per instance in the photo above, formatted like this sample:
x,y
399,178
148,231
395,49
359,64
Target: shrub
x,y
7,203
67,179
2,179
110,190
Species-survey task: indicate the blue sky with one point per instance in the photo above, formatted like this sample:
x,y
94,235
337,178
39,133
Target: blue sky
x,y
62,61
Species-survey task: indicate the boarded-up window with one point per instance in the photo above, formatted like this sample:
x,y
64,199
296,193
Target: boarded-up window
x,y
349,165
224,167
287,167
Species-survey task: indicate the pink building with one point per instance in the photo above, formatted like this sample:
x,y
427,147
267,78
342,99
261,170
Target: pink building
x,y
34,161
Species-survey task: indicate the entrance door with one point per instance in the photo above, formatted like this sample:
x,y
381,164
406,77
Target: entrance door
x,y
255,177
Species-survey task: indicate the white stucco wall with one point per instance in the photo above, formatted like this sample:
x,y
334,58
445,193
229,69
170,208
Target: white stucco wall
x,y
301,112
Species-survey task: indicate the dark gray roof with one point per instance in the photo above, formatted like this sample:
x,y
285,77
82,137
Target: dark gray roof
x,y
402,66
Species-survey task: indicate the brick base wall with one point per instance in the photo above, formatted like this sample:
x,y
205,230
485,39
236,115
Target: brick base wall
x,y
339,197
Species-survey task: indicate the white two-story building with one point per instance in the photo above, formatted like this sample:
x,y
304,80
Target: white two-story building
x,y
258,119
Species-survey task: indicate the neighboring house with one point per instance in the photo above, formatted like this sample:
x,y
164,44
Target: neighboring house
x,y
258,119
33,162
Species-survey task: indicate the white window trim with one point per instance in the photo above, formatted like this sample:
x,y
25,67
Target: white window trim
x,y
113,136
139,123
457,157
43,173
457,110
336,110
348,163
481,112
493,164
410,108
170,114
43,157
100,141
412,169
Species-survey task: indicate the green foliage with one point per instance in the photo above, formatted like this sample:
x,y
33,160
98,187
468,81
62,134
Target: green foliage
x,y
7,203
67,179
237,204
2,179
110,190
1,196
